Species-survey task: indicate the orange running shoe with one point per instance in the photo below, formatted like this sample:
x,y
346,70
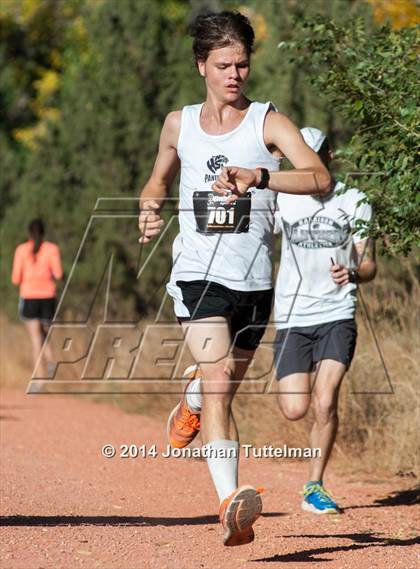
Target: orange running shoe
x,y
237,514
183,424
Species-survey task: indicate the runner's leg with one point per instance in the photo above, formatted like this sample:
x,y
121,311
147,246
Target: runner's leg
x,y
294,396
242,359
47,352
293,359
222,372
47,355
209,341
34,329
325,402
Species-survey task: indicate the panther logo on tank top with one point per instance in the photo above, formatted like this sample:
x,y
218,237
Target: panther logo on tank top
x,y
214,164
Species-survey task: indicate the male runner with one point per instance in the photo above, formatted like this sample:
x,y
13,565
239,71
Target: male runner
x,y
323,259
228,150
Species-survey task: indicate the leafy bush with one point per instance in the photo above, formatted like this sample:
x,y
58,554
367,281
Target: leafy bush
x,y
371,80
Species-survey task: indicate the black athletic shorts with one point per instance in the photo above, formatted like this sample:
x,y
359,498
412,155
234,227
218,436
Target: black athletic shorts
x,y
300,348
42,309
246,312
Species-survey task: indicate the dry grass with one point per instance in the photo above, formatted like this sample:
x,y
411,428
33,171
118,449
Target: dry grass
x,y
379,400
378,407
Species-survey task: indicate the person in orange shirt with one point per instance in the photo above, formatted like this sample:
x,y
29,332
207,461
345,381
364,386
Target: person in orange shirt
x,y
36,267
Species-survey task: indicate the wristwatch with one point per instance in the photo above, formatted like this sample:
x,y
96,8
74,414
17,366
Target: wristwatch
x,y
265,178
353,276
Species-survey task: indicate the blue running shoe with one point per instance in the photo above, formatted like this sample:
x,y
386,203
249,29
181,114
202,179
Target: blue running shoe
x,y
317,500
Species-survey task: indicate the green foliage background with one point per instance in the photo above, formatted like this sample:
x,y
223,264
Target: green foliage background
x,y
85,86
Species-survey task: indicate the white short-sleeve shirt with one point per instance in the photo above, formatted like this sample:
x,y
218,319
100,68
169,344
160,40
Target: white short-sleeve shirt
x,y
317,231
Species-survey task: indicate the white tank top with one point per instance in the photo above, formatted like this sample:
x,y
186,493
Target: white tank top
x,y
212,245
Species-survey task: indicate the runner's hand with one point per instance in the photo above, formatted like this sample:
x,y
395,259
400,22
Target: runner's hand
x,y
340,274
234,182
150,222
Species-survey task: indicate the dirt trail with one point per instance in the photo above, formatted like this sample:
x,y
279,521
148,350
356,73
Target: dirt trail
x,y
64,505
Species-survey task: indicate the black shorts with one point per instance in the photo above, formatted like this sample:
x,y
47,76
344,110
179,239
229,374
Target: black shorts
x,y
300,348
246,312
42,309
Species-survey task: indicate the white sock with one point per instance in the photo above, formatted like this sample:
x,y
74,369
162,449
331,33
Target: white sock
x,y
223,465
193,396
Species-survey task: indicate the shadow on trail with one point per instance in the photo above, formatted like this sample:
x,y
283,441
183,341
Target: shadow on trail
x,y
51,521
409,497
103,521
363,541
14,407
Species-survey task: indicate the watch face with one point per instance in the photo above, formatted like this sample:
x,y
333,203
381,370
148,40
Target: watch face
x,y
265,176
353,276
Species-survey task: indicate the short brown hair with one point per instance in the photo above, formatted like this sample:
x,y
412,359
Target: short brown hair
x,y
216,30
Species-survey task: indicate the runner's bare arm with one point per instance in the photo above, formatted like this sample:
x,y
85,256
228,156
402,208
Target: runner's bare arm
x,y
366,268
163,174
309,177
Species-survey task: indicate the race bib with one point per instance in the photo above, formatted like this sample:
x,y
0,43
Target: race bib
x,y
212,215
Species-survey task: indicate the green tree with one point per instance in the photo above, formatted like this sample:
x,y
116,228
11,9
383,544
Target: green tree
x,y
371,80
113,97
275,78
33,35
118,68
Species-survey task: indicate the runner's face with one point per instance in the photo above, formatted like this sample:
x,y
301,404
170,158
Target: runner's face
x,y
226,71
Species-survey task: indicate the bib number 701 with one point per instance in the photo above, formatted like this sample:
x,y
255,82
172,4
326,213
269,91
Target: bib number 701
x,y
218,215
212,215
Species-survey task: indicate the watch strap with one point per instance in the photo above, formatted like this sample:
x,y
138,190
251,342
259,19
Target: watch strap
x,y
265,177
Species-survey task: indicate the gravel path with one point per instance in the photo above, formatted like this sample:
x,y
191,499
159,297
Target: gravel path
x,y
65,506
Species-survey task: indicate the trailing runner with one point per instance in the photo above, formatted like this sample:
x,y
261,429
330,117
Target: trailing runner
x,y
323,259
